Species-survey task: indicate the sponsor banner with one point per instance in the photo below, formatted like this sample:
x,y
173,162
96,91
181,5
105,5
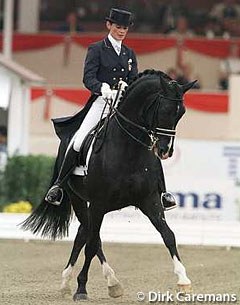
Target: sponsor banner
x,y
204,176
204,160
206,199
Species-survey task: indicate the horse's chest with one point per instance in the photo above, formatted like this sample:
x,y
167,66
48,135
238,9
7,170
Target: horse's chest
x,y
139,184
130,187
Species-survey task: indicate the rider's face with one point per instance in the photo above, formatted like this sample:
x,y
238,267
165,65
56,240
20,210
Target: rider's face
x,y
118,32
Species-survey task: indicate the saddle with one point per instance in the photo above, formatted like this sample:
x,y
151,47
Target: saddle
x,y
89,143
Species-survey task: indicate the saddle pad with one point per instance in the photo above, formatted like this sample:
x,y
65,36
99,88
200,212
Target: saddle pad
x,y
86,149
82,170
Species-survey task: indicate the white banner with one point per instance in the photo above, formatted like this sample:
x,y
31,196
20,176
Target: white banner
x,y
204,176
131,226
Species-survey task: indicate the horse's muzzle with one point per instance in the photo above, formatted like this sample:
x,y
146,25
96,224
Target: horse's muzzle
x,y
163,154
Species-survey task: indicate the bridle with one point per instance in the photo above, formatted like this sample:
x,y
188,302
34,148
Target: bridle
x,y
153,135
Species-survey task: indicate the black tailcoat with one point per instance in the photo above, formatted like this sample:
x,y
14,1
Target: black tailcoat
x,y
104,65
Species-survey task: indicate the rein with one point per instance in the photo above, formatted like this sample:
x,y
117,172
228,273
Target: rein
x,y
153,135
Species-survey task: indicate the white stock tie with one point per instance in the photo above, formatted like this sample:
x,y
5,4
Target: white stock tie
x,y
117,49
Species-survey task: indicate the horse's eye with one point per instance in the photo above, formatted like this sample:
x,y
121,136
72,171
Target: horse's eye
x,y
172,82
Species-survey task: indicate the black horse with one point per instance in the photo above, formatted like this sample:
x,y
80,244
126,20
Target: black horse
x,y
126,170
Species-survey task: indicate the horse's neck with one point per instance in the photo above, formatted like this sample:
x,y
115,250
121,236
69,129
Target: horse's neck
x,y
130,110
126,139
134,101
125,135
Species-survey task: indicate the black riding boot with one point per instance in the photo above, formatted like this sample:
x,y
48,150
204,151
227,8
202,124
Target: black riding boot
x,y
168,201
55,194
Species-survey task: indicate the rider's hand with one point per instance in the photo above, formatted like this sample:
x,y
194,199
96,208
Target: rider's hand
x,y
106,91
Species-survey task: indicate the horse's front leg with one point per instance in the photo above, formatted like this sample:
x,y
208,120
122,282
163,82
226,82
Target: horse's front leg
x,y
153,209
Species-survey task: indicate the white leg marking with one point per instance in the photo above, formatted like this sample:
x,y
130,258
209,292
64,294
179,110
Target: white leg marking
x,y
180,271
66,277
109,275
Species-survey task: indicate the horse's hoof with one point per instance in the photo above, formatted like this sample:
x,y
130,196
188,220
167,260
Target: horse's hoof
x,y
185,288
80,297
115,291
65,291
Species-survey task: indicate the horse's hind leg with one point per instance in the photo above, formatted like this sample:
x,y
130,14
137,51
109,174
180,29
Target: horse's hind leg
x,y
91,248
81,211
154,211
114,286
68,272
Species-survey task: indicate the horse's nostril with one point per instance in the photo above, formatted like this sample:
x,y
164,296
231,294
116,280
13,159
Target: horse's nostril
x,y
162,149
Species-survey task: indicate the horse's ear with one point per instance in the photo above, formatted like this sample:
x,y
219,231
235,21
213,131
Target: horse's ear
x,y
188,86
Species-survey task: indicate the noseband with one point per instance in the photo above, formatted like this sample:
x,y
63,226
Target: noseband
x,y
152,134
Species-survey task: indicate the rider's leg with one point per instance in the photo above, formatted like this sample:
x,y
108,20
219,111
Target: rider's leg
x,y
55,194
93,116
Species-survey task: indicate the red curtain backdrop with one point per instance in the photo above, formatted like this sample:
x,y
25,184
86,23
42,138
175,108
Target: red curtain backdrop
x,y
142,44
207,102
26,42
216,48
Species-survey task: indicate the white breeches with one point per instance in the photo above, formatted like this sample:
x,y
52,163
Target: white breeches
x,y
92,118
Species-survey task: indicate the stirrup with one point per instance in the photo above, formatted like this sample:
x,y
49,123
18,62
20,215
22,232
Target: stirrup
x,y
54,195
168,201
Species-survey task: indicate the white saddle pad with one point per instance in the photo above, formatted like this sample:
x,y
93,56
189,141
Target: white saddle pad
x,y
82,170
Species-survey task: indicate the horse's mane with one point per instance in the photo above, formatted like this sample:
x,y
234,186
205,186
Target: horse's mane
x,y
140,79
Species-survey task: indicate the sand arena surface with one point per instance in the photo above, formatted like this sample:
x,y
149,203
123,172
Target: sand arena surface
x,y
31,272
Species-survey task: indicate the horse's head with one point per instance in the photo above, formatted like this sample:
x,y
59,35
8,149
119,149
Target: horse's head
x,y
162,112
154,104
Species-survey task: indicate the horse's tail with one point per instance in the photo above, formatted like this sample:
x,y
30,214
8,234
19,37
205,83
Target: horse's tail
x,y
52,221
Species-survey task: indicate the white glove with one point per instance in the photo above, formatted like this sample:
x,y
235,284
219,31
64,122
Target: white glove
x,y
106,91
122,84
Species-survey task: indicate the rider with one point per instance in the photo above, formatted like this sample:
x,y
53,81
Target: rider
x,y
107,63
